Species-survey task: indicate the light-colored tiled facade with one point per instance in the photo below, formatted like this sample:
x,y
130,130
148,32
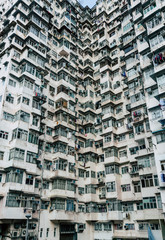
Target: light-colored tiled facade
x,y
82,119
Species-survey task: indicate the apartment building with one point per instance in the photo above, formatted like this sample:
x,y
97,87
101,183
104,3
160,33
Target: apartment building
x,y
82,120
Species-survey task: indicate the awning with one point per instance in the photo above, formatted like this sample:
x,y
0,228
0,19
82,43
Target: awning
x,y
158,131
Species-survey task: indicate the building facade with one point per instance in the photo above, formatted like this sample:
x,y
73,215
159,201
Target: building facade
x,y
82,109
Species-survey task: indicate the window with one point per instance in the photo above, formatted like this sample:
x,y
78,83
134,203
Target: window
x,y
15,175
41,232
31,157
28,84
131,72
35,121
126,187
93,174
1,155
9,98
51,102
98,226
107,226
155,226
113,152
137,187
19,134
90,189
129,226
156,181
124,170
143,226
0,177
36,105
12,200
81,208
147,181
160,138
20,29
139,206
156,40
112,169
23,116
160,81
107,138
17,154
87,174
12,83
19,42
131,135
33,138
37,183
111,186
8,117
149,203
58,204
19,100
127,207
81,190
159,201
144,162
149,8
134,150
123,153
157,113
54,233
4,135
29,180
49,131
63,185
47,232
81,173
26,100
50,116
114,205
127,27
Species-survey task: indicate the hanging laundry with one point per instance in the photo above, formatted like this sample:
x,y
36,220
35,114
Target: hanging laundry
x,y
135,114
162,104
163,177
69,135
123,74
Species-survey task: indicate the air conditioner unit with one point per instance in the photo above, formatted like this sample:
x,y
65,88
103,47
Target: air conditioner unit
x,y
80,192
34,225
126,227
149,90
15,234
163,32
100,180
102,195
158,15
141,166
23,234
81,227
51,208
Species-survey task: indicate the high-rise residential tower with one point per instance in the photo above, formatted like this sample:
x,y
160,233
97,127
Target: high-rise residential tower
x,y
82,120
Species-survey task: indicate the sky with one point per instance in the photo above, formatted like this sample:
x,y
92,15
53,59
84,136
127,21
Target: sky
x,y
90,3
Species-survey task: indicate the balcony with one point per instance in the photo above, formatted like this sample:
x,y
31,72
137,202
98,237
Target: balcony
x,y
62,215
13,213
97,216
148,214
61,193
111,160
